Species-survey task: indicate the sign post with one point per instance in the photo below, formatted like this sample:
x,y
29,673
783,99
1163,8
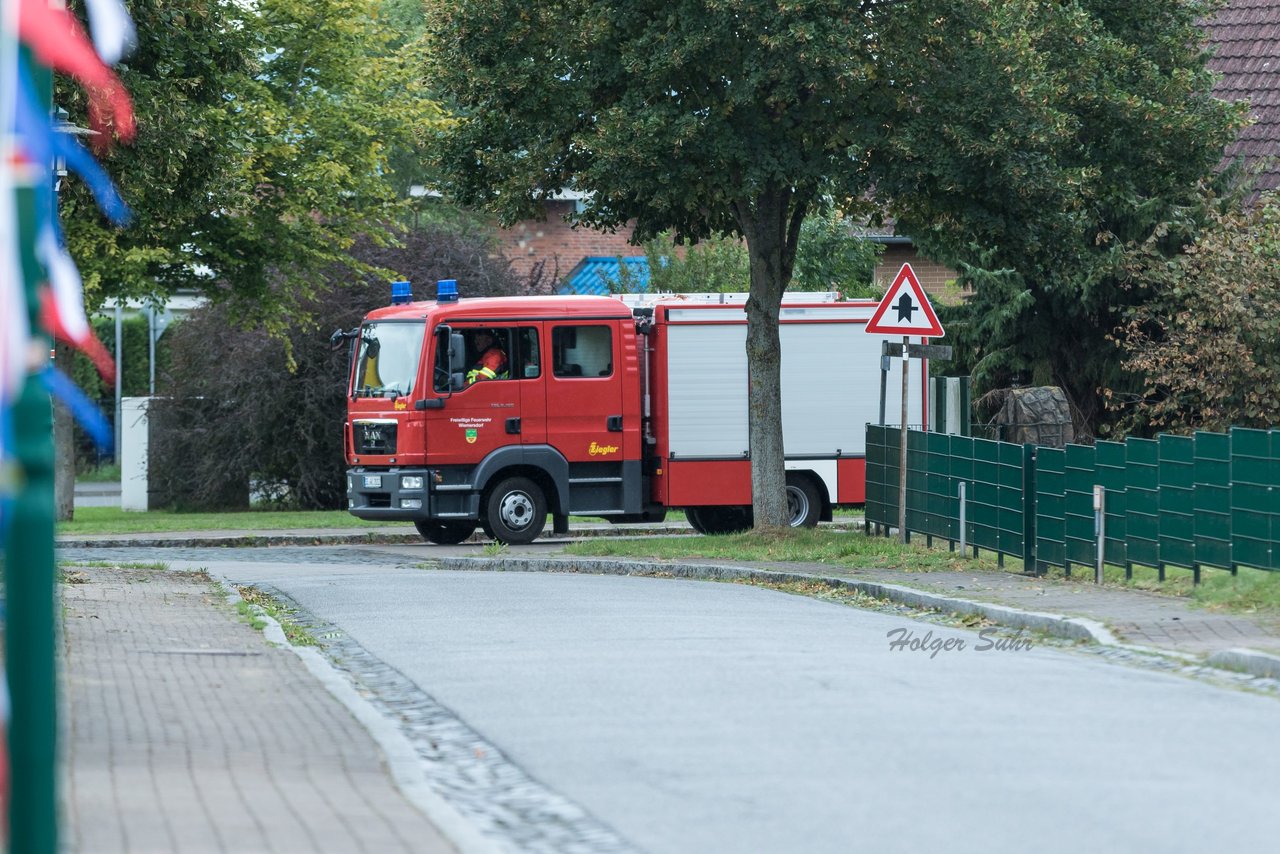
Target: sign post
x,y
904,310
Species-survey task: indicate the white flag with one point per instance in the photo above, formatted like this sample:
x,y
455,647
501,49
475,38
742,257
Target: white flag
x,y
112,29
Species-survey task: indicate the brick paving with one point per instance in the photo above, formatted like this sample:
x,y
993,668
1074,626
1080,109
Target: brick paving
x,y
186,731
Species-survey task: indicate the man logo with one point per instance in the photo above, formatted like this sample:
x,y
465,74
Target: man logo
x,y
471,437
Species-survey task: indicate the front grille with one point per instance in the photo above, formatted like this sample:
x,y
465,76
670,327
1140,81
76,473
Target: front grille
x,y
378,499
374,437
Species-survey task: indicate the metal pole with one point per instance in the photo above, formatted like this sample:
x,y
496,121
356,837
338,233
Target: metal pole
x,y
884,384
964,523
119,354
151,348
902,451
1100,527
29,562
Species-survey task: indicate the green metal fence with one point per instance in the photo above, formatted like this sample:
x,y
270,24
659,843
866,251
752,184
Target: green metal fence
x,y
1212,499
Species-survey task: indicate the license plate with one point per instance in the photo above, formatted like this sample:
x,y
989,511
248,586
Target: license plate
x,y
373,481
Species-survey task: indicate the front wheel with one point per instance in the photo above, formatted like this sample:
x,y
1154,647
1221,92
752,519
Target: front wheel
x,y
445,533
515,511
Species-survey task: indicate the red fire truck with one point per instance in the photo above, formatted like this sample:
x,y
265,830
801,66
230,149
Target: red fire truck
x,y
614,407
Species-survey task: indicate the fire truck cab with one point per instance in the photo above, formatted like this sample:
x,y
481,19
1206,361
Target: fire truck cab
x,y
601,406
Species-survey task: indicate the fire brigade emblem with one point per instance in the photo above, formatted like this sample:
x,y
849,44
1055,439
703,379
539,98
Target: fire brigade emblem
x,y
471,436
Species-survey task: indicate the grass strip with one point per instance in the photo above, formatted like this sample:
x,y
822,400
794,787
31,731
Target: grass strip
x,y
1250,591
113,520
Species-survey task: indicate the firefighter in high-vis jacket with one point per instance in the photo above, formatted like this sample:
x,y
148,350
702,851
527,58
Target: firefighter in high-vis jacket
x,y
492,363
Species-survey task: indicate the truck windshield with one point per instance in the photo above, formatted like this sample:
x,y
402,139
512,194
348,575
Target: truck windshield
x,y
387,362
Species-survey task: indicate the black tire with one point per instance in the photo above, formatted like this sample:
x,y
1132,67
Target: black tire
x,y
445,533
725,520
694,515
515,511
804,504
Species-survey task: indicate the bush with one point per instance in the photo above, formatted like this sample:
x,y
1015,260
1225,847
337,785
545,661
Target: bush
x,y
238,413
1207,340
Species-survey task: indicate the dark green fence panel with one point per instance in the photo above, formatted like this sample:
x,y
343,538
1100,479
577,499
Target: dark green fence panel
x,y
1213,499
1051,464
1255,498
1110,471
1177,501
877,492
1142,518
941,508
1079,535
928,510
995,497
1206,500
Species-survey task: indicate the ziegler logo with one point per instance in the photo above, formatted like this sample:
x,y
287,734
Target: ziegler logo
x,y
601,450
401,404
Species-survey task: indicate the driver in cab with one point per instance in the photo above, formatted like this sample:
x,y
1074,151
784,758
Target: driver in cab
x,y
492,362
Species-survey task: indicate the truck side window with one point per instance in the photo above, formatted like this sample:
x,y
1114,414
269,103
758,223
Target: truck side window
x,y
488,354
582,351
528,360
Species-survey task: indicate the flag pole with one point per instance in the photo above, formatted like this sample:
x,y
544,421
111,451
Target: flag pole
x,y
29,565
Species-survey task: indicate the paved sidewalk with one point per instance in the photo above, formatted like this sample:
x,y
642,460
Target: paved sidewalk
x,y
186,731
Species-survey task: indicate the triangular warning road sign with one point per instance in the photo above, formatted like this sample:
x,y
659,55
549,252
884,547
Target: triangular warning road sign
x,y
905,310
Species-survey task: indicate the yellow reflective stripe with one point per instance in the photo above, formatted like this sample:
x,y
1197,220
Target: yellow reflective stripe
x,y
488,372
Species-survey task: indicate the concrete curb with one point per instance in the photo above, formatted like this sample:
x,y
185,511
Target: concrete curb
x,y
401,757
1247,661
248,539
204,540
1055,625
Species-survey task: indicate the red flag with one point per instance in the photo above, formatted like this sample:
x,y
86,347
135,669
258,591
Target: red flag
x,y
58,41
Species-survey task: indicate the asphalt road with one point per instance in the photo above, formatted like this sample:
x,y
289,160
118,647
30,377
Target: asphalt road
x,y
696,717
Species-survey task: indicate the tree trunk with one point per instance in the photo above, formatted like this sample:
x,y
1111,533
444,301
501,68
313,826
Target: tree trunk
x,y
771,227
64,449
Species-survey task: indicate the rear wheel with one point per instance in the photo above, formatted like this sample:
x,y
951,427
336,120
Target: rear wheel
x,y
804,505
724,520
445,533
515,511
694,515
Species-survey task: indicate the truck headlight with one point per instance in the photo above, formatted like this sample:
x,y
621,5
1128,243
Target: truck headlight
x,y
411,482
351,483
410,503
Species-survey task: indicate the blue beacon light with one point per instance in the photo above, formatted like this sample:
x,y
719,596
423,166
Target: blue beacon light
x,y
401,293
447,290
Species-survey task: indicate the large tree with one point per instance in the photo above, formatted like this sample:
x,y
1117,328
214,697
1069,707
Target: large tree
x,y
264,132
1036,178
262,149
702,118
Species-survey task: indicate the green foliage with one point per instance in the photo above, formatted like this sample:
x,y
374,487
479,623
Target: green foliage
x,y
1205,336
262,149
830,257
715,265
1075,131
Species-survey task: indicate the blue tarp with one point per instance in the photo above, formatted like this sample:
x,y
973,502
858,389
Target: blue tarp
x,y
602,275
